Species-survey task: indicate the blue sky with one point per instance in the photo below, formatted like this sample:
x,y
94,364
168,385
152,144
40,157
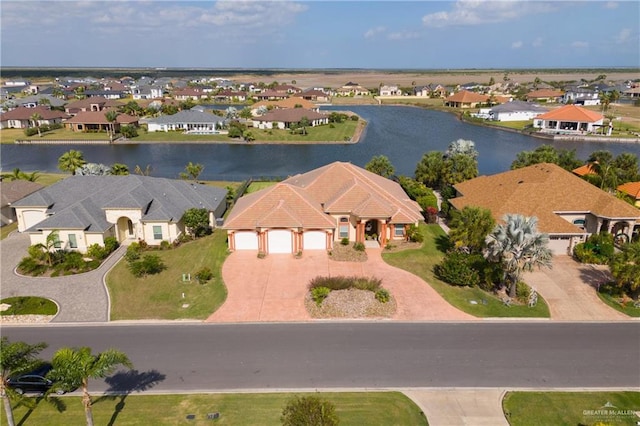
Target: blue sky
x,y
321,34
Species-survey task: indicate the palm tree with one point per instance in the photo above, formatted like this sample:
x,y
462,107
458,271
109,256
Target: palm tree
x,y
35,118
73,367
625,267
119,169
16,174
49,246
111,117
469,228
519,246
192,171
70,161
16,358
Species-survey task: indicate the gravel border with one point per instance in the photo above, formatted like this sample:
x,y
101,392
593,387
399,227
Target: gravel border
x,y
350,303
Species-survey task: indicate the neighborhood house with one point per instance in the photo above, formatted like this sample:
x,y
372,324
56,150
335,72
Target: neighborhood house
x,y
312,211
87,209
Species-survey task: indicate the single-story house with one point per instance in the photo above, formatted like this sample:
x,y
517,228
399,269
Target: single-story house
x,y
314,95
465,99
229,95
313,210
190,93
515,111
270,95
97,121
569,119
352,89
190,120
39,100
107,94
390,91
293,102
20,118
544,95
87,209
96,103
568,208
632,189
284,118
10,192
431,90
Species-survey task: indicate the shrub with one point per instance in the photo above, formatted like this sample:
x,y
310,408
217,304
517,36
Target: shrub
x,y
96,251
344,241
204,275
341,282
309,411
598,249
456,269
414,234
73,260
149,265
358,246
111,244
318,294
382,295
523,291
133,252
30,266
164,245
36,252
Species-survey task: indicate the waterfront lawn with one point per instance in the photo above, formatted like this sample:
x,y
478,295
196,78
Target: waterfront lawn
x,y
421,262
160,296
66,134
352,408
257,186
10,135
570,408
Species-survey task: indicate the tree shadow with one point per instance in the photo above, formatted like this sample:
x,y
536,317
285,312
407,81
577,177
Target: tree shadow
x,y
443,244
593,277
124,383
57,403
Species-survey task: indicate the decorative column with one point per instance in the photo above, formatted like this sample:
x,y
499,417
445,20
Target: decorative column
x,y
383,233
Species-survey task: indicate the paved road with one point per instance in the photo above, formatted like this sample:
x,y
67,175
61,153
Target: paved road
x,y
199,357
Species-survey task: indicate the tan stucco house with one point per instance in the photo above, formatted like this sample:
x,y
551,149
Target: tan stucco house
x,y
568,208
313,210
87,209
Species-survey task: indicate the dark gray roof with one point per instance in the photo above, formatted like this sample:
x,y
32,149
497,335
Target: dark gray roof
x,y
78,202
519,106
189,116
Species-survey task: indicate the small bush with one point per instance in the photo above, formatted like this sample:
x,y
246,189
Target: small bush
x,y
204,275
309,411
96,251
149,265
262,255
165,245
341,282
414,234
73,260
111,244
598,249
30,266
318,294
36,252
456,269
523,291
133,252
382,295
358,246
344,241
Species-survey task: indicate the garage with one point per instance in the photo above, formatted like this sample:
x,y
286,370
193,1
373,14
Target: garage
x,y
314,240
31,217
246,240
279,241
559,245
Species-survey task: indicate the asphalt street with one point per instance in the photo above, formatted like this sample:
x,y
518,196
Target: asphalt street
x,y
210,357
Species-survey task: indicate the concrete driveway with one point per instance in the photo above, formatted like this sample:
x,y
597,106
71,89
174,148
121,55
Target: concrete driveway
x,y
570,291
273,288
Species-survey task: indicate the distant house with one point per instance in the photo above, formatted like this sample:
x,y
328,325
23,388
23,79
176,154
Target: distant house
x,y
188,121
228,95
284,118
568,208
569,119
20,118
96,103
107,94
189,94
431,91
581,96
515,111
390,91
10,192
270,95
96,121
544,95
352,89
87,209
38,100
631,189
147,92
314,95
292,102
465,99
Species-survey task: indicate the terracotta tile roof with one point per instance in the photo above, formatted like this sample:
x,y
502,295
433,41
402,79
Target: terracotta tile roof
x,y
286,103
466,96
584,170
306,200
542,190
572,113
94,100
22,113
98,117
544,93
631,188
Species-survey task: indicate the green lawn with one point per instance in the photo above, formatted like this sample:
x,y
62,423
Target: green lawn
x,y
6,230
628,308
257,186
10,135
26,305
571,408
371,408
421,262
160,296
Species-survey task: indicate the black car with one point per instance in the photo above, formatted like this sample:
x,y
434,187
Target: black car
x,y
34,381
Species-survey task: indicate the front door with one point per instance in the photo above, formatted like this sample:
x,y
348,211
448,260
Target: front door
x,y
371,229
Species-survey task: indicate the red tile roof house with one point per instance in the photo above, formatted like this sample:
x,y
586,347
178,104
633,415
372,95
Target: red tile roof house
x,y
95,121
569,119
313,210
95,103
283,118
632,189
465,99
20,118
568,208
293,102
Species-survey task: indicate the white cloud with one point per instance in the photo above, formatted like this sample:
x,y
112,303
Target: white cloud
x,y
623,36
580,44
371,33
403,35
476,12
611,5
537,42
516,44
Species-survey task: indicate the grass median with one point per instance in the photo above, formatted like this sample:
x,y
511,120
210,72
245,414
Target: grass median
x,y
166,295
371,408
421,262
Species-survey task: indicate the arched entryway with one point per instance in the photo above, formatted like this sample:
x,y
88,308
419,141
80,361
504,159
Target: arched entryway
x,y
126,229
371,231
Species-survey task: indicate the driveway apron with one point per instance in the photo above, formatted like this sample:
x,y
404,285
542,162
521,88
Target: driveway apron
x,y
81,298
274,288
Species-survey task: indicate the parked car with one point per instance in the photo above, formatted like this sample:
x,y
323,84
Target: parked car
x,y
34,381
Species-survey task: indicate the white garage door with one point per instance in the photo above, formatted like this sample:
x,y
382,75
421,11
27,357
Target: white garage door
x,y
246,240
558,245
279,241
31,217
314,240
